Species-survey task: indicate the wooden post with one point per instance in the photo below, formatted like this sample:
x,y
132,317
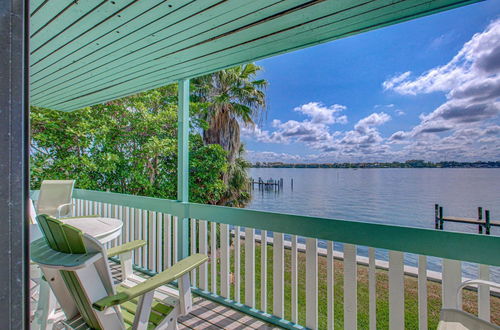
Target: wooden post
x,y
183,166
487,221
436,217
441,218
479,218
292,184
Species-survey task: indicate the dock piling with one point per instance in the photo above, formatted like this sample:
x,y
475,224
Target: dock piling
x,y
441,222
436,217
480,218
487,221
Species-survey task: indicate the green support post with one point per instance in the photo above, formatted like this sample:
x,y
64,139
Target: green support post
x,y
183,166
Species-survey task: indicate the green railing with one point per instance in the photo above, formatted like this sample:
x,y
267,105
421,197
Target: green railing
x,y
261,274
442,244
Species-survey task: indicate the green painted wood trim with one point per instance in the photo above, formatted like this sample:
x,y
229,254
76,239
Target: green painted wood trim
x,y
139,202
170,38
200,57
183,142
443,244
179,269
183,166
127,247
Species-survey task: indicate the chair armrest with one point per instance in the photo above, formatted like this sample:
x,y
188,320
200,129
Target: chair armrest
x,y
59,208
473,282
176,271
130,246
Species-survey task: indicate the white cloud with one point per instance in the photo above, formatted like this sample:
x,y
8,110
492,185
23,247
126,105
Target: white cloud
x,y
396,80
321,114
270,156
471,83
466,126
375,119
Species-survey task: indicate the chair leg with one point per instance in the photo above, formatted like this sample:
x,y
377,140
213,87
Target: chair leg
x,y
45,312
126,265
170,321
143,310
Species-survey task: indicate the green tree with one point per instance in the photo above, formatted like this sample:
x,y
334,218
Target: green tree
x,y
231,96
126,146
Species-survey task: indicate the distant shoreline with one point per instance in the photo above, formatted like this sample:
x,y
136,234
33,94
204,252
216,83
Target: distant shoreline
x,y
407,164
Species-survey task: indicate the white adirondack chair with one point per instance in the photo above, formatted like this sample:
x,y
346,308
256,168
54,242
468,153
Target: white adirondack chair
x,y
55,198
76,268
457,319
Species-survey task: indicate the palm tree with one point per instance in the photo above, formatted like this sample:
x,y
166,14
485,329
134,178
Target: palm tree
x,y
233,97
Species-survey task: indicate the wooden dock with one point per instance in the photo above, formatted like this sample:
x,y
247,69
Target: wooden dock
x,y
269,184
481,221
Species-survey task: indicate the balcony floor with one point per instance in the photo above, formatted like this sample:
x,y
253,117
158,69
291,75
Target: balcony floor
x,y
206,314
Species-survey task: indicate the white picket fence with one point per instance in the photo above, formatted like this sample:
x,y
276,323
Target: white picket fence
x,y
160,231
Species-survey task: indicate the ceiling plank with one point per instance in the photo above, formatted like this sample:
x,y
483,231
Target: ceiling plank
x,y
99,56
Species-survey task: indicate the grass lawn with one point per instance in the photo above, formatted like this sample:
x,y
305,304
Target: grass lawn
x,y
382,289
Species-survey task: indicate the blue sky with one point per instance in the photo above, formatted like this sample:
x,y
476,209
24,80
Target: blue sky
x,y
425,89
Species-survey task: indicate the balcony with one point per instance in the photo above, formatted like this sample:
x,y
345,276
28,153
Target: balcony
x,y
285,270
297,277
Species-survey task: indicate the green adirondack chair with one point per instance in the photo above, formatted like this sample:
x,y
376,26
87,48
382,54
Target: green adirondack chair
x,y
76,267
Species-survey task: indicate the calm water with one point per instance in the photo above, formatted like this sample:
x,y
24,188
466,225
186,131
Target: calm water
x,y
393,196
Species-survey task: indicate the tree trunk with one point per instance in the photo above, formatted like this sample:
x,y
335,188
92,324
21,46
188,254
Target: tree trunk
x,y
225,131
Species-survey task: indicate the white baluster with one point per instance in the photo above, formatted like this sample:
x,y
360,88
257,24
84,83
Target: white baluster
x,y
452,278
396,291
263,270
278,275
224,261
294,280
213,256
350,287
203,250
311,283
422,292
250,267
484,294
330,282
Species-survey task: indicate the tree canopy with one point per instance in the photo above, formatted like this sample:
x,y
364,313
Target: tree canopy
x,y
130,145
126,146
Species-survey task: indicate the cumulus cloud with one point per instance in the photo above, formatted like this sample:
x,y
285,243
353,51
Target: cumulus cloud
x,y
271,156
466,126
375,119
321,114
471,84
314,130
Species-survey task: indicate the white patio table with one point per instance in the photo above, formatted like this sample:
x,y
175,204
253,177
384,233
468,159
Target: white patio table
x,y
103,229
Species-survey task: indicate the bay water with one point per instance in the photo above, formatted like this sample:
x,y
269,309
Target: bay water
x,y
397,196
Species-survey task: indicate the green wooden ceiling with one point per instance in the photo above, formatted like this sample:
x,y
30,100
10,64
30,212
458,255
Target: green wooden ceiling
x,y
90,51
